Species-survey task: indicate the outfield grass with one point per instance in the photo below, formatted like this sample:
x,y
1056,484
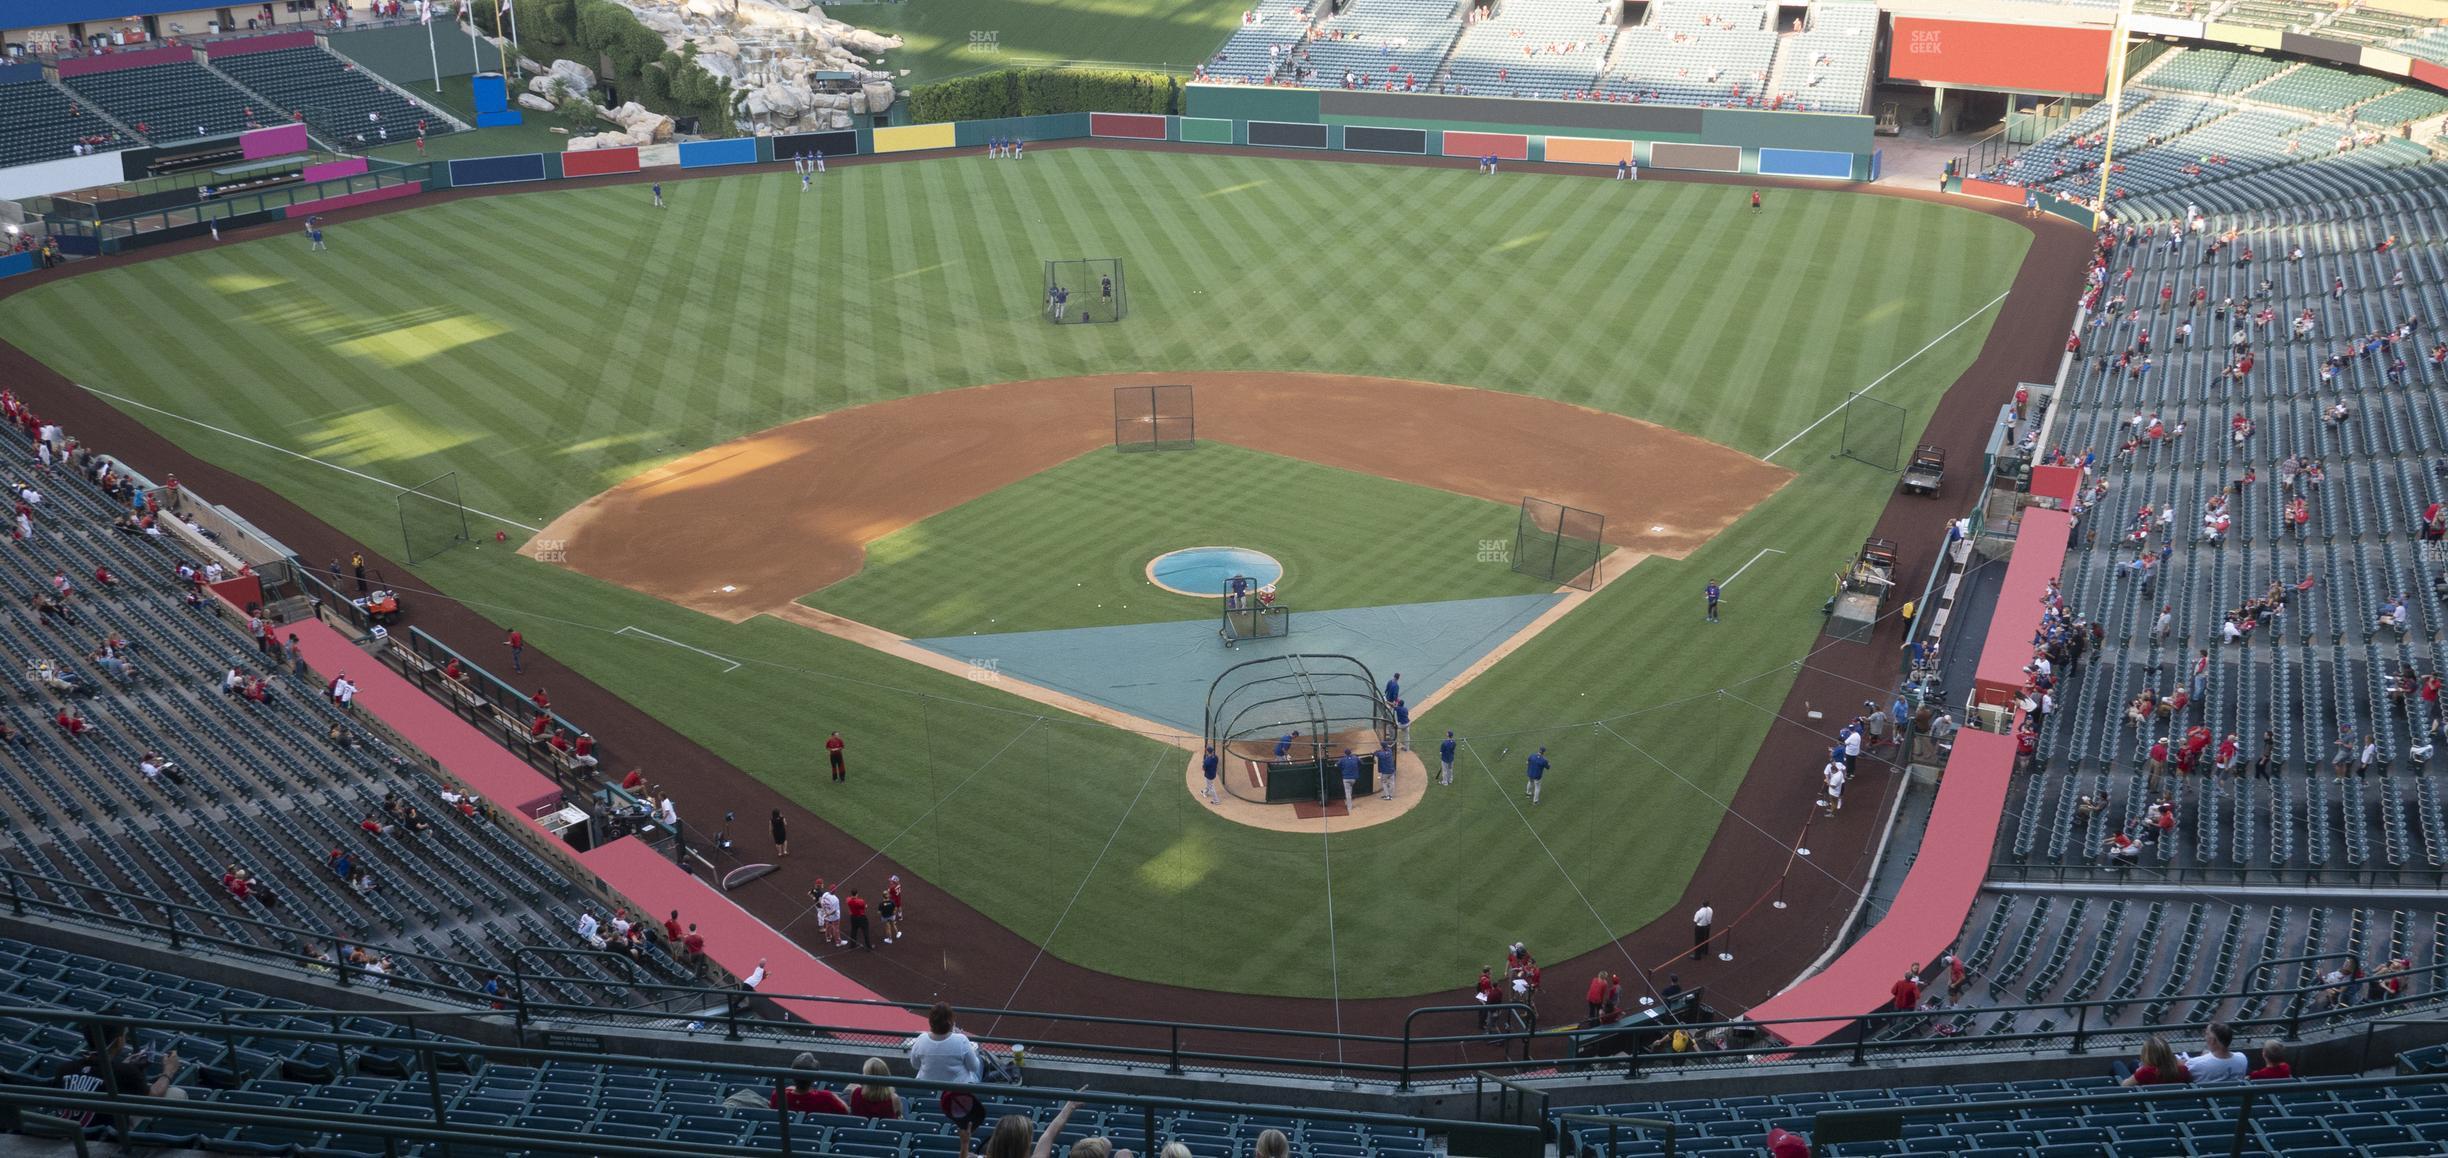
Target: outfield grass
x,y
429,341
943,38
1056,550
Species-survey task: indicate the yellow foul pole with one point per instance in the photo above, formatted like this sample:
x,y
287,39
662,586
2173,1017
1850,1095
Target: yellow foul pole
x,y
2116,102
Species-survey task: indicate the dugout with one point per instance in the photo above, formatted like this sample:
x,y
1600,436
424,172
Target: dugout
x,y
1332,702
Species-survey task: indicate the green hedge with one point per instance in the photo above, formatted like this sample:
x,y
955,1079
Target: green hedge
x,y
644,71
1030,92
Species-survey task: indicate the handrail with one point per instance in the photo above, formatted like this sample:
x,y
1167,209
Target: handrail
x,y
1870,1124
1615,1125
1858,1049
426,1048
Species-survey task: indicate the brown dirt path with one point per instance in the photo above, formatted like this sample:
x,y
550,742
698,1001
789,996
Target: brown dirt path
x,y
786,511
955,953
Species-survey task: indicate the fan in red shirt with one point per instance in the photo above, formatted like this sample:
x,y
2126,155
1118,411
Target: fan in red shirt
x,y
1907,992
808,1101
856,906
2274,1067
671,927
542,702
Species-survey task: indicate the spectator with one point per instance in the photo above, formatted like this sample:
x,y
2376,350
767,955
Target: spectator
x,y
1015,1136
801,1098
2218,1065
112,1068
1272,1144
2274,1065
1907,992
874,1100
944,1054
2157,1065
1784,1143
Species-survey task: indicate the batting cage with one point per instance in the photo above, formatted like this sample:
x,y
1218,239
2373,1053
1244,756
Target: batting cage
x,y
1085,289
1558,543
1155,418
1873,433
1325,705
431,518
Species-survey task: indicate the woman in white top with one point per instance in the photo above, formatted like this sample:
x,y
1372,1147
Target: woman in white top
x,y
944,1054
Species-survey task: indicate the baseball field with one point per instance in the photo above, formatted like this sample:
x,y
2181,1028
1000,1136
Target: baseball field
x,y
556,347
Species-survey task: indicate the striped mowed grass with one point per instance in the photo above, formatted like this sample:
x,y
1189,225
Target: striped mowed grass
x,y
550,343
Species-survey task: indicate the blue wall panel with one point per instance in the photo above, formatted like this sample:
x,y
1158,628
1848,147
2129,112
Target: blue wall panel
x,y
16,263
1806,163
497,170
705,154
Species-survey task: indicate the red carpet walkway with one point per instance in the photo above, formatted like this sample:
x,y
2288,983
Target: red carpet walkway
x,y
1937,895
737,941
1929,910
653,885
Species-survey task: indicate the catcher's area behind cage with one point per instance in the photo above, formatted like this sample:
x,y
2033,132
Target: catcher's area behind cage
x,y
1085,289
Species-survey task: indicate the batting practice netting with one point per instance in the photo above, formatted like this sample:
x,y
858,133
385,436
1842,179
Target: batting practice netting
x,y
1558,543
431,518
1327,704
1873,433
1155,418
1085,289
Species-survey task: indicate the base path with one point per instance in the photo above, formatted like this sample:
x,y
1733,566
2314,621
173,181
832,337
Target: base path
x,y
760,537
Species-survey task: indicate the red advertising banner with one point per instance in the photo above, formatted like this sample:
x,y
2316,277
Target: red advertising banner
x,y
596,162
2018,57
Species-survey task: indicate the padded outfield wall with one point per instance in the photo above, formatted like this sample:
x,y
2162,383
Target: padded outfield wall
x,y
1836,146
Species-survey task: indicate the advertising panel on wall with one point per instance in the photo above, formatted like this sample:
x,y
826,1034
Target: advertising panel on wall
x,y
1711,158
497,170
1210,130
731,151
839,143
1374,139
1134,126
1282,134
61,176
1806,163
1590,150
599,162
277,141
1507,146
905,138
2019,57
1647,119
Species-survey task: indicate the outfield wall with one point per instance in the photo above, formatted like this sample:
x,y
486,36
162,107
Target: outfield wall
x,y
1832,146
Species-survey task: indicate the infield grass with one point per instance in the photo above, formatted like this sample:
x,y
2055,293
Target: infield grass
x,y
1056,549
548,344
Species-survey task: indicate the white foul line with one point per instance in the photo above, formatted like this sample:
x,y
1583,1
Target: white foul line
x,y
1908,360
735,664
1728,581
122,398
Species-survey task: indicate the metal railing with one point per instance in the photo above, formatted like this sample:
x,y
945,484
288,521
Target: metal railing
x,y
647,1002
432,1058
1887,1122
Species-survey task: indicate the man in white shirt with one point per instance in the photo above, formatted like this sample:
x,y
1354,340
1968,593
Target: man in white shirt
x,y
755,976
2218,1065
1702,918
587,926
1835,787
828,917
